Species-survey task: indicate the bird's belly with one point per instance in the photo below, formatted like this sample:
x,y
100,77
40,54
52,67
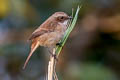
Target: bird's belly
x,y
50,39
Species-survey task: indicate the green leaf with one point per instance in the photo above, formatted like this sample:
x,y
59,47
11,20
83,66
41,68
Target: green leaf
x,y
68,31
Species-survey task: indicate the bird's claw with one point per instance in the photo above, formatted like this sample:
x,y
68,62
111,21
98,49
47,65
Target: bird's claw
x,y
59,44
55,57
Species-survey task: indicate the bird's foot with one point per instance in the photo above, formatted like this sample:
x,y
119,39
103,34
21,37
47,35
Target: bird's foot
x,y
59,44
55,57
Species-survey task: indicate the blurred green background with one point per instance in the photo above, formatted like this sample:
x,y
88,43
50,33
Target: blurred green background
x,y
92,51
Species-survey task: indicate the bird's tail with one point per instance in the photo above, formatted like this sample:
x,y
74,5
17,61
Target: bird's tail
x,y
34,46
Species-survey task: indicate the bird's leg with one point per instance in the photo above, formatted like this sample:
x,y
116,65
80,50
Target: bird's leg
x,y
53,55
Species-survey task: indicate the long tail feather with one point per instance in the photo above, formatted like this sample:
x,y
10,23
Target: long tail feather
x,y
33,48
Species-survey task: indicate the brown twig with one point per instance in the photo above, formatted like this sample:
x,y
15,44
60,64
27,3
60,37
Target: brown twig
x,y
51,66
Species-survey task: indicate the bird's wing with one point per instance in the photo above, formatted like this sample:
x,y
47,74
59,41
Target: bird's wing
x,y
44,28
38,33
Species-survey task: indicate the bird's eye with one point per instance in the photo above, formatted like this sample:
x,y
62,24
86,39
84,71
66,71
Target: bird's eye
x,y
61,17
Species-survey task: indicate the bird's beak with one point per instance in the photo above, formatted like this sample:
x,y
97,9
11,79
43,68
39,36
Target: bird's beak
x,y
70,17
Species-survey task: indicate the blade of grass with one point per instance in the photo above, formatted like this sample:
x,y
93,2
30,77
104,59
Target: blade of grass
x,y
57,50
69,30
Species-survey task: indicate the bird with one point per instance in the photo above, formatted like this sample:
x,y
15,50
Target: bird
x,y
49,33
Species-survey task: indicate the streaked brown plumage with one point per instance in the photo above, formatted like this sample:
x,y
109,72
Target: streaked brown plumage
x,y
49,33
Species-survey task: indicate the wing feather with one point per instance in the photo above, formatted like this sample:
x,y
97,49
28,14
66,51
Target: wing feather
x,y
46,27
37,34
